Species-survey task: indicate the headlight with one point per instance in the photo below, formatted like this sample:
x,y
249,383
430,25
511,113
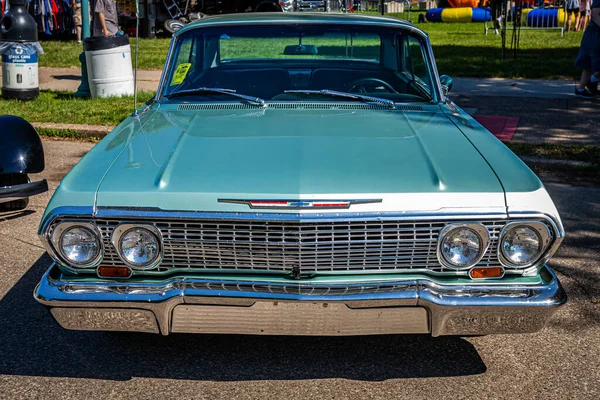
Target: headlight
x,y
78,244
138,246
462,245
522,244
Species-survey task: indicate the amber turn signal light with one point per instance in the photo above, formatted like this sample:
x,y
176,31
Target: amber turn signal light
x,y
488,272
114,272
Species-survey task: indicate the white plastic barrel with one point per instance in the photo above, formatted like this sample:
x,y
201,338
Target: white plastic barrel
x,y
108,60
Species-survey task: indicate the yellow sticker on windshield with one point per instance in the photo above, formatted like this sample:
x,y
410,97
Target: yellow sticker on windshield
x,y
180,73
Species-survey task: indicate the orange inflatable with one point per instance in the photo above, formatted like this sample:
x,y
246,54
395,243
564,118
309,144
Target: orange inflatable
x,y
463,3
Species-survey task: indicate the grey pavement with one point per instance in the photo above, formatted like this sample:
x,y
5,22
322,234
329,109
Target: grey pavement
x,y
69,79
523,88
567,121
38,359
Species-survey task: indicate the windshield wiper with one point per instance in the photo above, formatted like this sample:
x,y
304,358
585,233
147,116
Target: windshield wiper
x,y
231,92
334,93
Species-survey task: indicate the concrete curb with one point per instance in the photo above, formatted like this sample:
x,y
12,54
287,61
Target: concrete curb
x,y
82,131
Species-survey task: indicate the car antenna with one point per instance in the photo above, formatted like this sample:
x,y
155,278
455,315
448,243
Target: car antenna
x,y
137,52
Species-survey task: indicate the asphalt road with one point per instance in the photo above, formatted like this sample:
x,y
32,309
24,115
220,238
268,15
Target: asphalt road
x,y
38,359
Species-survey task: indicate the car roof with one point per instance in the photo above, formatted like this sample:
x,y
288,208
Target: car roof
x,y
298,18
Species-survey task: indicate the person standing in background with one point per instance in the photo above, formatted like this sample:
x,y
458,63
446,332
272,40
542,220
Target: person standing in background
x,y
572,9
588,58
76,6
584,14
105,18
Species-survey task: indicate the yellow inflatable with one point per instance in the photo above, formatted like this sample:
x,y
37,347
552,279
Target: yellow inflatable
x,y
561,17
457,14
524,13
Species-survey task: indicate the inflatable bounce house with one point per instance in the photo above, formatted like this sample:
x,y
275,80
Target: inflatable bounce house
x,y
459,11
467,11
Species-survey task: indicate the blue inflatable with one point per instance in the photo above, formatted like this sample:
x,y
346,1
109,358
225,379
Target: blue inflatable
x,y
545,18
460,14
434,15
481,15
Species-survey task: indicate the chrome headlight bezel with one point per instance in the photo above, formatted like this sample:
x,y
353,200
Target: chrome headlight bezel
x,y
484,239
61,229
543,232
122,229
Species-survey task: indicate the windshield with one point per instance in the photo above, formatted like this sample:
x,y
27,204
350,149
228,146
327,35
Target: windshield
x,y
299,62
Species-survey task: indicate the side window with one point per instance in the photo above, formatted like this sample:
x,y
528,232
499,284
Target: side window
x,y
184,55
415,63
183,62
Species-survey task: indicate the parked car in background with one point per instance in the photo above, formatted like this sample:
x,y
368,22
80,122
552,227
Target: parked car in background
x,y
174,14
301,174
313,5
287,5
21,154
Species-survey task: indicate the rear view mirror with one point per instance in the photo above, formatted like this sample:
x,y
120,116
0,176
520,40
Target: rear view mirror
x,y
301,50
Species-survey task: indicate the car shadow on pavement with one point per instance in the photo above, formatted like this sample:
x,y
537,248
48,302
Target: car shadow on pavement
x,y
34,345
6,216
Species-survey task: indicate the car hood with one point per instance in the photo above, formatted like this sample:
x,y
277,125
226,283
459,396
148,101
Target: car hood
x,y
411,160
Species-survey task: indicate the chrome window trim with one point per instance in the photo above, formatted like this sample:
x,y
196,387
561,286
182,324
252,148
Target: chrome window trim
x,y
165,72
54,238
126,227
398,24
479,229
546,238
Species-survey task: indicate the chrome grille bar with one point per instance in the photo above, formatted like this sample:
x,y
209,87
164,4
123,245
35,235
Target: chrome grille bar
x,y
288,247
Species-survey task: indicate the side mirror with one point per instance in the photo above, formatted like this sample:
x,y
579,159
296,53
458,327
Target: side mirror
x,y
446,82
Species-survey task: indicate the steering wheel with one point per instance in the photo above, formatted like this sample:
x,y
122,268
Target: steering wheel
x,y
361,85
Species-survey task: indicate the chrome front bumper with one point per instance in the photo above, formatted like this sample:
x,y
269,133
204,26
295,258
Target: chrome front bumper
x,y
190,305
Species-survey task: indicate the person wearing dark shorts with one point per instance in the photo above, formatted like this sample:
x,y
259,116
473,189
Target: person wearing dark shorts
x,y
588,58
572,9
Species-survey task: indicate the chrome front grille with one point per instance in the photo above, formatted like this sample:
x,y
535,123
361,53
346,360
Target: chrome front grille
x,y
297,248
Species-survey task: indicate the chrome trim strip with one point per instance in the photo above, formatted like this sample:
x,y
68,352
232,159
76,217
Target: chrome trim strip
x,y
438,93
362,20
298,204
479,229
134,212
449,305
163,76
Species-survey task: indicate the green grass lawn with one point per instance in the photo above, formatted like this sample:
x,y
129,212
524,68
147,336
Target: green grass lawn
x,y
461,50
62,107
153,53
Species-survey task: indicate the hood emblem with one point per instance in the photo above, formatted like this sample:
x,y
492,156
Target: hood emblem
x,y
298,204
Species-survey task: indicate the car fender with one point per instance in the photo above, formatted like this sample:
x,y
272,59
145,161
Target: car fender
x,y
21,149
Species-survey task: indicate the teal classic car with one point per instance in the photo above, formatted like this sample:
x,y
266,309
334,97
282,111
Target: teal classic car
x,y
301,175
